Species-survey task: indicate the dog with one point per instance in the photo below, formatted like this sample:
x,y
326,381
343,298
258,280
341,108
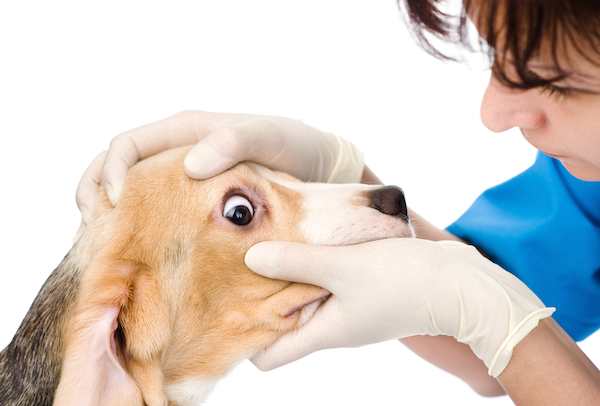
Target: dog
x,y
164,272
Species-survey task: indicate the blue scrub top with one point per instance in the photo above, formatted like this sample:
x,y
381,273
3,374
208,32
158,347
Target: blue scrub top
x,y
544,227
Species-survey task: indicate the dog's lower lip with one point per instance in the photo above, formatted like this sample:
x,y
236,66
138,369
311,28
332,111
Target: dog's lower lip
x,y
295,310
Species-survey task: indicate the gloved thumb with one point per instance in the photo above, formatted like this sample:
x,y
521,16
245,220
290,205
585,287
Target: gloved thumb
x,y
296,262
206,158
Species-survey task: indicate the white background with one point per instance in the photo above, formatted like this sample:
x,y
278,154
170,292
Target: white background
x,y
75,74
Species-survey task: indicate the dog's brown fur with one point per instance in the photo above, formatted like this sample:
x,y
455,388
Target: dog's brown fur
x,y
167,262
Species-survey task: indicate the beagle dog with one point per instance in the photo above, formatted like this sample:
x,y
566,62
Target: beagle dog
x,y
163,273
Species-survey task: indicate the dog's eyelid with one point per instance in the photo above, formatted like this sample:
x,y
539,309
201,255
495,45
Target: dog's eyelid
x,y
249,192
238,200
238,210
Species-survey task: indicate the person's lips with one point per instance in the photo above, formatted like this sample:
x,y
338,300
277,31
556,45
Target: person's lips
x,y
550,154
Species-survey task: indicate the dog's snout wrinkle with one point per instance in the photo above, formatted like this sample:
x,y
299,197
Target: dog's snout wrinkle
x,y
389,200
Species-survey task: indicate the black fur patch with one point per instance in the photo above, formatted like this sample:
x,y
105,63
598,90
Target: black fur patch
x,y
30,365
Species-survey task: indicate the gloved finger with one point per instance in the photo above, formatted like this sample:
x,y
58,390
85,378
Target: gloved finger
x,y
129,147
317,334
88,187
323,266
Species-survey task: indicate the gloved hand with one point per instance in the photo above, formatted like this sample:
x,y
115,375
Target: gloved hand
x,y
396,288
222,141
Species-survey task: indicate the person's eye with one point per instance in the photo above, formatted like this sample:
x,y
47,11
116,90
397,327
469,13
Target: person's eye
x,y
238,210
555,91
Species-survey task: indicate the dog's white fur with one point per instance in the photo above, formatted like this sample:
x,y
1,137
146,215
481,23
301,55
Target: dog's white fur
x,y
191,392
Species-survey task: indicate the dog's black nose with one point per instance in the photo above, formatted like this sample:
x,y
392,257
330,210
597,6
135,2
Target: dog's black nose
x,y
389,200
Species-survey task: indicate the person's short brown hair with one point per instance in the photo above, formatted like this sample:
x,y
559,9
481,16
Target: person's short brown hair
x,y
521,29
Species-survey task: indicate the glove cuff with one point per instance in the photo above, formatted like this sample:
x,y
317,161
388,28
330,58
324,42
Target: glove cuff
x,y
504,353
349,165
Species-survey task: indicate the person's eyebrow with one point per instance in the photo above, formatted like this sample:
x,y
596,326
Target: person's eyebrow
x,y
570,74
554,68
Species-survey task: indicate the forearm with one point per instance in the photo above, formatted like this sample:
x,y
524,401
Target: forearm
x,y
457,359
548,368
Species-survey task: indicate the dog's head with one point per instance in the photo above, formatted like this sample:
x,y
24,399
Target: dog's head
x,y
170,256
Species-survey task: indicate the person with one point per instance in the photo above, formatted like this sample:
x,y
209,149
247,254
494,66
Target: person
x,y
445,300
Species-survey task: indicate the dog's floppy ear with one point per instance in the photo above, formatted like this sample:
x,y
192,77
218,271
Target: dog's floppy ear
x,y
93,370
115,339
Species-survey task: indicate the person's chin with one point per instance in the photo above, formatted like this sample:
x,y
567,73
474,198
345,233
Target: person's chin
x,y
582,171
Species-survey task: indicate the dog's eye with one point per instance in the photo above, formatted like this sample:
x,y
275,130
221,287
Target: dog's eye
x,y
238,210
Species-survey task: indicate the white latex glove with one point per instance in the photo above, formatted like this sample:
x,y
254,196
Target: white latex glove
x,y
396,288
222,140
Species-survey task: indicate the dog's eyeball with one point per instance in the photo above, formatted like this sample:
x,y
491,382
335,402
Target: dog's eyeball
x,y
238,210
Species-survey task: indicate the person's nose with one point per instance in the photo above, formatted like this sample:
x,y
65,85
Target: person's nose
x,y
503,108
